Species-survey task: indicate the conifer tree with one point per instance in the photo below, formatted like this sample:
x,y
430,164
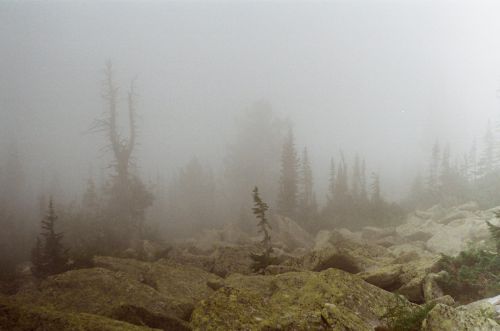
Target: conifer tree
x,y
495,233
260,208
432,181
49,256
307,199
364,192
486,163
472,162
331,180
287,199
376,197
341,192
356,178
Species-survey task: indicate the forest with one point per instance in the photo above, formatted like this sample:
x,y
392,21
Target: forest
x,y
176,166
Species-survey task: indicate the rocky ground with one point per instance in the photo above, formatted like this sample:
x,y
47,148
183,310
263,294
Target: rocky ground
x,y
337,280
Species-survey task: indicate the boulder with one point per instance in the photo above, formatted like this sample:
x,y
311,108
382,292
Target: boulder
x,y
159,294
446,318
289,234
108,293
406,279
471,206
410,251
489,304
416,229
413,276
182,286
431,289
228,260
334,250
387,277
14,316
371,233
331,299
185,257
457,235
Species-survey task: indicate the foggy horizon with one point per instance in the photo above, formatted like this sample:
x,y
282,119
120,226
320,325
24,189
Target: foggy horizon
x,y
413,73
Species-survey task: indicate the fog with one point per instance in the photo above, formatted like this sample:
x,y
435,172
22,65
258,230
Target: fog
x,y
155,149
384,79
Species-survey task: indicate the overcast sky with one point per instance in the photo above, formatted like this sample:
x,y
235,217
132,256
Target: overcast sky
x,y
381,78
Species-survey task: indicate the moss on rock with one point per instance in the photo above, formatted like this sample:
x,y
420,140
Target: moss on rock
x,y
156,294
15,317
293,301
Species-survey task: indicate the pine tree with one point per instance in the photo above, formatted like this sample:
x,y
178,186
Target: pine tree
x,y
331,181
287,199
37,258
376,196
49,257
260,208
432,181
472,162
341,192
364,192
495,233
356,178
486,163
307,199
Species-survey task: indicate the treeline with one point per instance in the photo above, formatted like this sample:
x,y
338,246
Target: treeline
x,y
455,179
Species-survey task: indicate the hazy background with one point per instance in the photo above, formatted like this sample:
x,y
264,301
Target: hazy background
x,y
381,78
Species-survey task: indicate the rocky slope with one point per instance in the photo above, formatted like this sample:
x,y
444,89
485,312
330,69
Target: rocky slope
x,y
339,280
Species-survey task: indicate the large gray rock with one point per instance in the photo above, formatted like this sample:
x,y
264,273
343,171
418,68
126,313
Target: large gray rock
x,y
331,299
446,318
19,317
159,295
289,235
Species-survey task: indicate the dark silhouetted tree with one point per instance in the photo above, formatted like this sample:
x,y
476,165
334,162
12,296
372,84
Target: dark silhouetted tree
x,y
49,256
307,208
128,196
287,198
261,261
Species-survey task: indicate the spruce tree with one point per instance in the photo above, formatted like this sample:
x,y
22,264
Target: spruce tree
x,y
356,178
307,199
495,233
49,256
331,180
487,161
260,208
432,181
288,194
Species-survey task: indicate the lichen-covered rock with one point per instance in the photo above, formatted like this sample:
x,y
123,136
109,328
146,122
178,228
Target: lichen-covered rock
x,y
446,318
334,250
153,294
387,277
233,259
289,234
331,299
183,256
413,276
430,286
182,286
16,317
407,279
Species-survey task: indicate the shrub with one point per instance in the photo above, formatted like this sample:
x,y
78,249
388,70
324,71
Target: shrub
x,y
404,317
472,275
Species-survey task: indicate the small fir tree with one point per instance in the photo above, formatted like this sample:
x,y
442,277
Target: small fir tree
x,y
261,261
289,179
495,233
49,256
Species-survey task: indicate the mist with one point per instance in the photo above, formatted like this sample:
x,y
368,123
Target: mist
x,y
394,105
412,73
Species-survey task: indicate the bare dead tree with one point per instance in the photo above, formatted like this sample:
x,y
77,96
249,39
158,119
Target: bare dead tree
x,y
129,196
